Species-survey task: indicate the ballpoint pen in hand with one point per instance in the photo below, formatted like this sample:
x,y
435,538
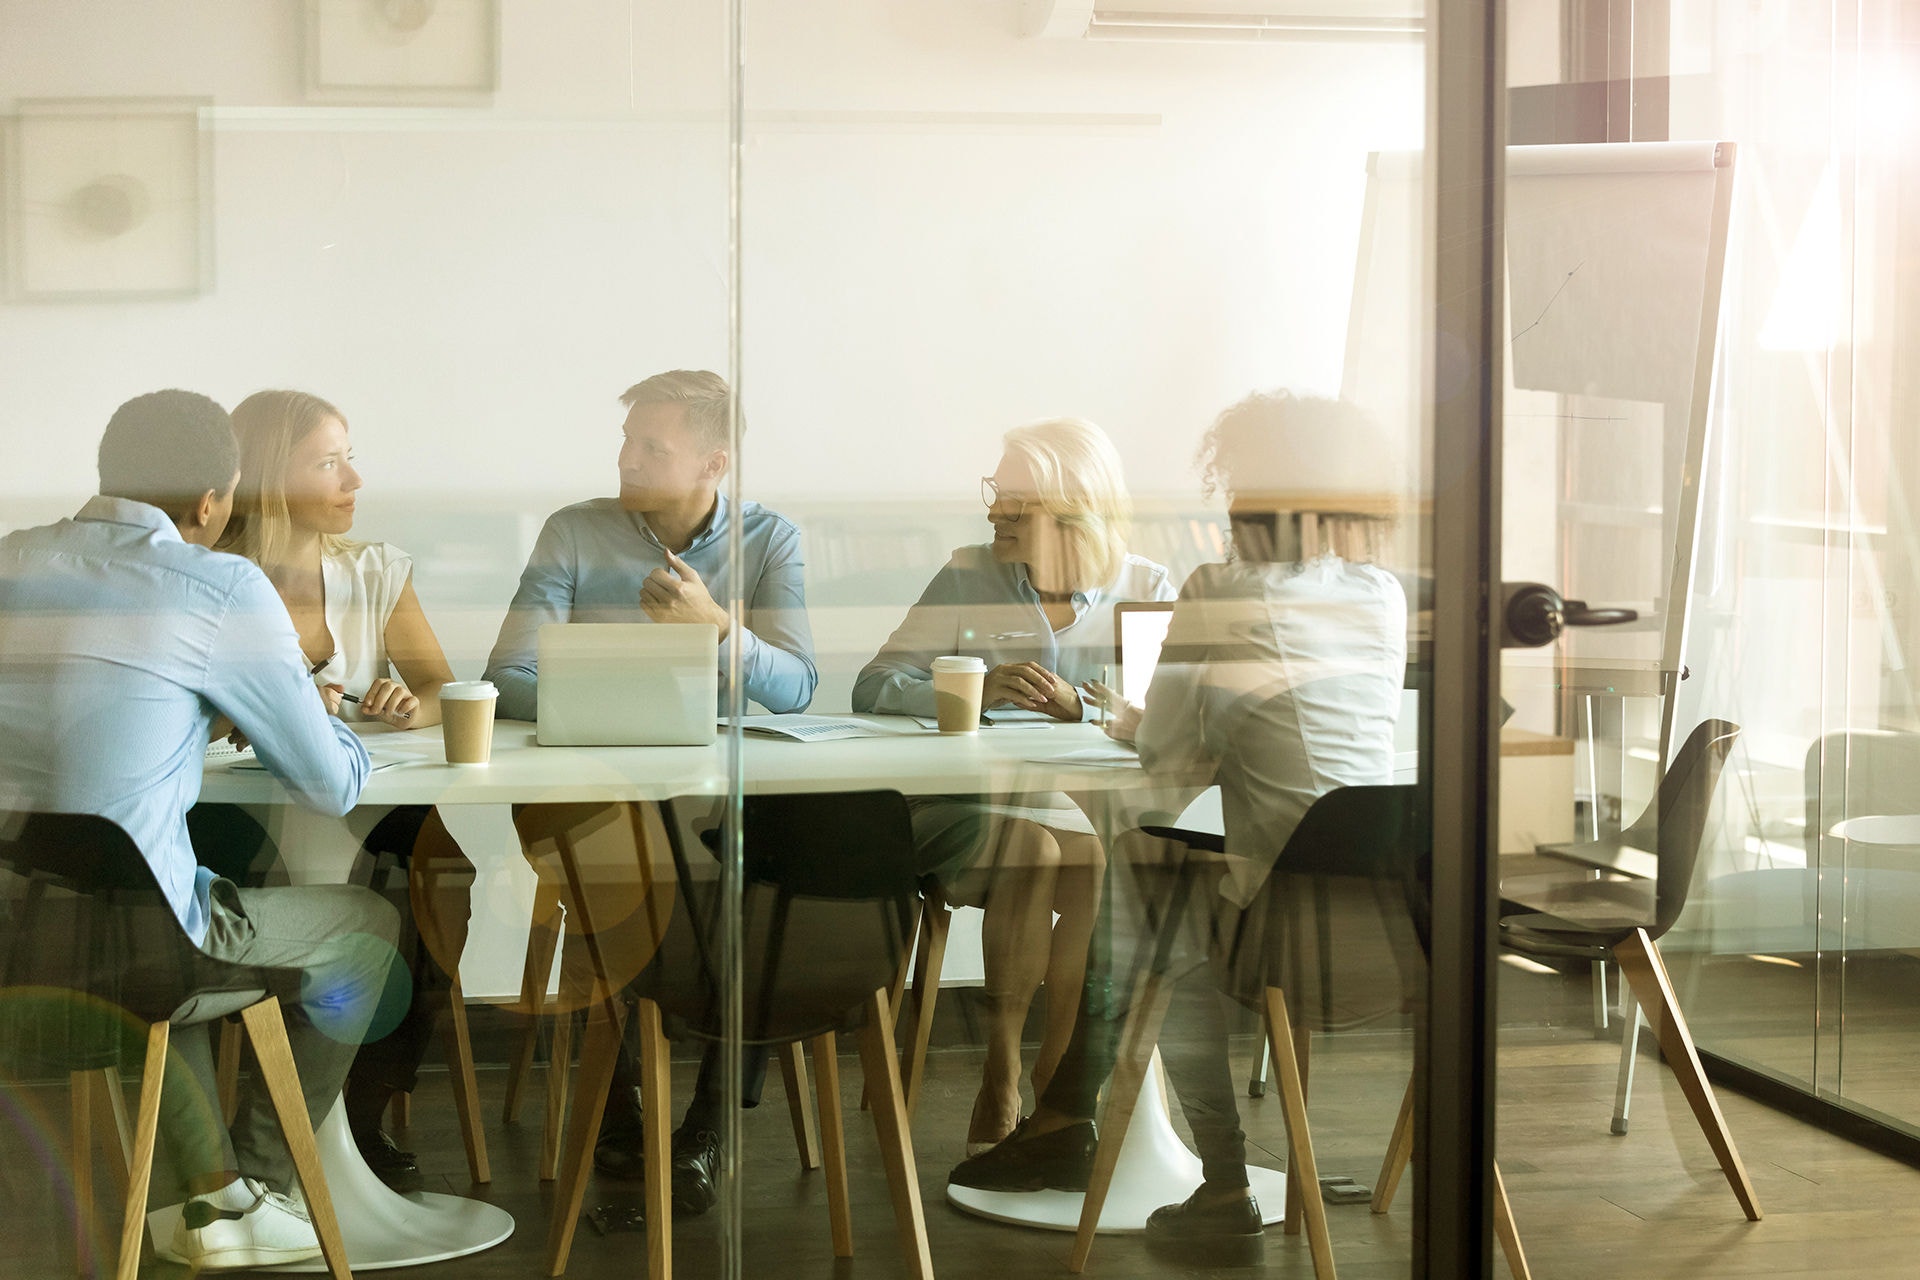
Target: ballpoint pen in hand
x,y
349,697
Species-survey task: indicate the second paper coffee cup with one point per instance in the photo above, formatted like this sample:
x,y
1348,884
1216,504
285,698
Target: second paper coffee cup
x,y
466,720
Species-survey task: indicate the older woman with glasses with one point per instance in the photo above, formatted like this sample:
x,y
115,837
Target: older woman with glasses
x,y
1036,604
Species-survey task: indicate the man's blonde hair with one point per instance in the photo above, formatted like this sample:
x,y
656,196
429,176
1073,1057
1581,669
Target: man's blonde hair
x,y
708,401
268,424
1080,483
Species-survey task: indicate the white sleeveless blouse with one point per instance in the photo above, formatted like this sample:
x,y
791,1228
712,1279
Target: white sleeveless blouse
x,y
363,582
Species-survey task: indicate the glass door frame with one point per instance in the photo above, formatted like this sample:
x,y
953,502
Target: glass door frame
x,y
1456,1037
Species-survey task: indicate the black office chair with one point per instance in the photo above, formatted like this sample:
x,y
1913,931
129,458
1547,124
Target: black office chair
x,y
1622,920
828,910
97,966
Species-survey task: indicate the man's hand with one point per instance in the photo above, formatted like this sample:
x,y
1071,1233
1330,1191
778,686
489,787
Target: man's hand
x,y
680,596
1123,717
1031,687
330,695
389,701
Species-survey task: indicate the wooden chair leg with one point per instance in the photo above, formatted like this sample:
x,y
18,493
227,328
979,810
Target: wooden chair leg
x,y
936,920
1300,1164
402,1110
882,1070
268,1031
80,1086
466,1086
110,1120
1505,1232
833,1140
1640,962
655,1102
601,1047
1137,1040
896,995
227,1075
146,1129
1296,1193
1399,1151
543,942
793,1073
559,1066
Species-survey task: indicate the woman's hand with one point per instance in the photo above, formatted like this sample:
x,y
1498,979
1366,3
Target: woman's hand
x,y
389,701
1031,687
330,695
1123,717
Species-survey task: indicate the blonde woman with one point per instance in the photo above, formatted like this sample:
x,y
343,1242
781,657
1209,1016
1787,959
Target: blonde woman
x,y
1036,603
374,657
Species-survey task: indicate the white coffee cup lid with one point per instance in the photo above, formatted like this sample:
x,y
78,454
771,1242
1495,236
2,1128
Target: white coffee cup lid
x,y
468,691
958,662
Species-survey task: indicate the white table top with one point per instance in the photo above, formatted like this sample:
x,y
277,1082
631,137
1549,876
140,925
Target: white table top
x,y
1881,828
410,767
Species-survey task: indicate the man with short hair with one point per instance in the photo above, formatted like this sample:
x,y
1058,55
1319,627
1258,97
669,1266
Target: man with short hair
x,y
658,553
125,644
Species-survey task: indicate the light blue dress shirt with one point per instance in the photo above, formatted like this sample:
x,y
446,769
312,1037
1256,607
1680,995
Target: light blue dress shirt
x,y
590,560
119,645
978,607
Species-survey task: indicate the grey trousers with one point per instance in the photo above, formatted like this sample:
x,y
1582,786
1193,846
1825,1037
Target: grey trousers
x,y
333,948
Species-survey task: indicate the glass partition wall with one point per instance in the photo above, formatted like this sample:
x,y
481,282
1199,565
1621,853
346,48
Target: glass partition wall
x,y
1125,438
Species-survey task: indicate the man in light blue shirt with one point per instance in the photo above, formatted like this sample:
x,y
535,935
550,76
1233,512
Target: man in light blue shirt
x,y
125,643
658,553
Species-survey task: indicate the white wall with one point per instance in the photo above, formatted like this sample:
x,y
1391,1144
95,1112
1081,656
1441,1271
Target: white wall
x,y
948,230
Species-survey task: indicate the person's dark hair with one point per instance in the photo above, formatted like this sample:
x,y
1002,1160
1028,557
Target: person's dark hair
x,y
168,448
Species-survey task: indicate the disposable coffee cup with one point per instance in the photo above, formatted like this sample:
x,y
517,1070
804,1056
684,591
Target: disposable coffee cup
x,y
957,684
466,720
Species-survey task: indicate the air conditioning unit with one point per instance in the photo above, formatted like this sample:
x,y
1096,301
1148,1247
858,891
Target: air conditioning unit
x,y
1231,21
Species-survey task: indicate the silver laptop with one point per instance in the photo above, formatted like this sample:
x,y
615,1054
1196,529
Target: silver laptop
x,y
628,684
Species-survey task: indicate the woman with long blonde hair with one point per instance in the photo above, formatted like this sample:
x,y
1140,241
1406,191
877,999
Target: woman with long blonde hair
x,y
374,657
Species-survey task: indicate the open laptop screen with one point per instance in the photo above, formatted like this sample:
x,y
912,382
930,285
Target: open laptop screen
x,y
1139,629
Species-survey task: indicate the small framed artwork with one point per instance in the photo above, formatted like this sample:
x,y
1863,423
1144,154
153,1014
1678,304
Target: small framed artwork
x,y
108,199
414,51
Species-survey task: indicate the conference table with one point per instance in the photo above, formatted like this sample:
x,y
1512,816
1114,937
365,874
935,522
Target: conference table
x,y
383,1229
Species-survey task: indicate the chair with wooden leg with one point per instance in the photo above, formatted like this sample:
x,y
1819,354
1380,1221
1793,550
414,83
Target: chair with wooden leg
x,y
828,905
549,932
1623,920
123,969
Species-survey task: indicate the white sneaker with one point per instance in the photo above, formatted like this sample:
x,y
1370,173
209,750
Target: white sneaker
x,y
243,1225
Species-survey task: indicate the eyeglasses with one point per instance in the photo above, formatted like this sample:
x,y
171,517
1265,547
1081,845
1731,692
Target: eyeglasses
x,y
990,494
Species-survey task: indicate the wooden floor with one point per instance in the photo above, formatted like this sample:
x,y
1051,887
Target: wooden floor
x,y
1588,1204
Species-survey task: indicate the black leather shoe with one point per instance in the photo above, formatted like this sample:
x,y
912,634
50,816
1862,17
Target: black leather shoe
x,y
1214,1231
1058,1161
397,1168
696,1171
621,1151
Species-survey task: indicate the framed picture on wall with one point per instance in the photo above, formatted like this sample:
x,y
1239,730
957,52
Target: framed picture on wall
x,y
413,51
108,199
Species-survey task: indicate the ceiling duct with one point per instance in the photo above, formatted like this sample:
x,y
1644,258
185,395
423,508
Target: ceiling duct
x,y
1224,21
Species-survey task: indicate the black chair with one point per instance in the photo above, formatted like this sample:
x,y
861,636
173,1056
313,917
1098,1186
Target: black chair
x,y
1623,920
828,910
97,966
1354,858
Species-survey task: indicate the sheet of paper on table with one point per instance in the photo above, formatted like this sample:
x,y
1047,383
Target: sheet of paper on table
x,y
802,728
1111,755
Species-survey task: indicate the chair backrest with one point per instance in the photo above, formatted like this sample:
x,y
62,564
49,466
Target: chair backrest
x,y
1341,930
1676,822
828,910
1857,772
90,943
